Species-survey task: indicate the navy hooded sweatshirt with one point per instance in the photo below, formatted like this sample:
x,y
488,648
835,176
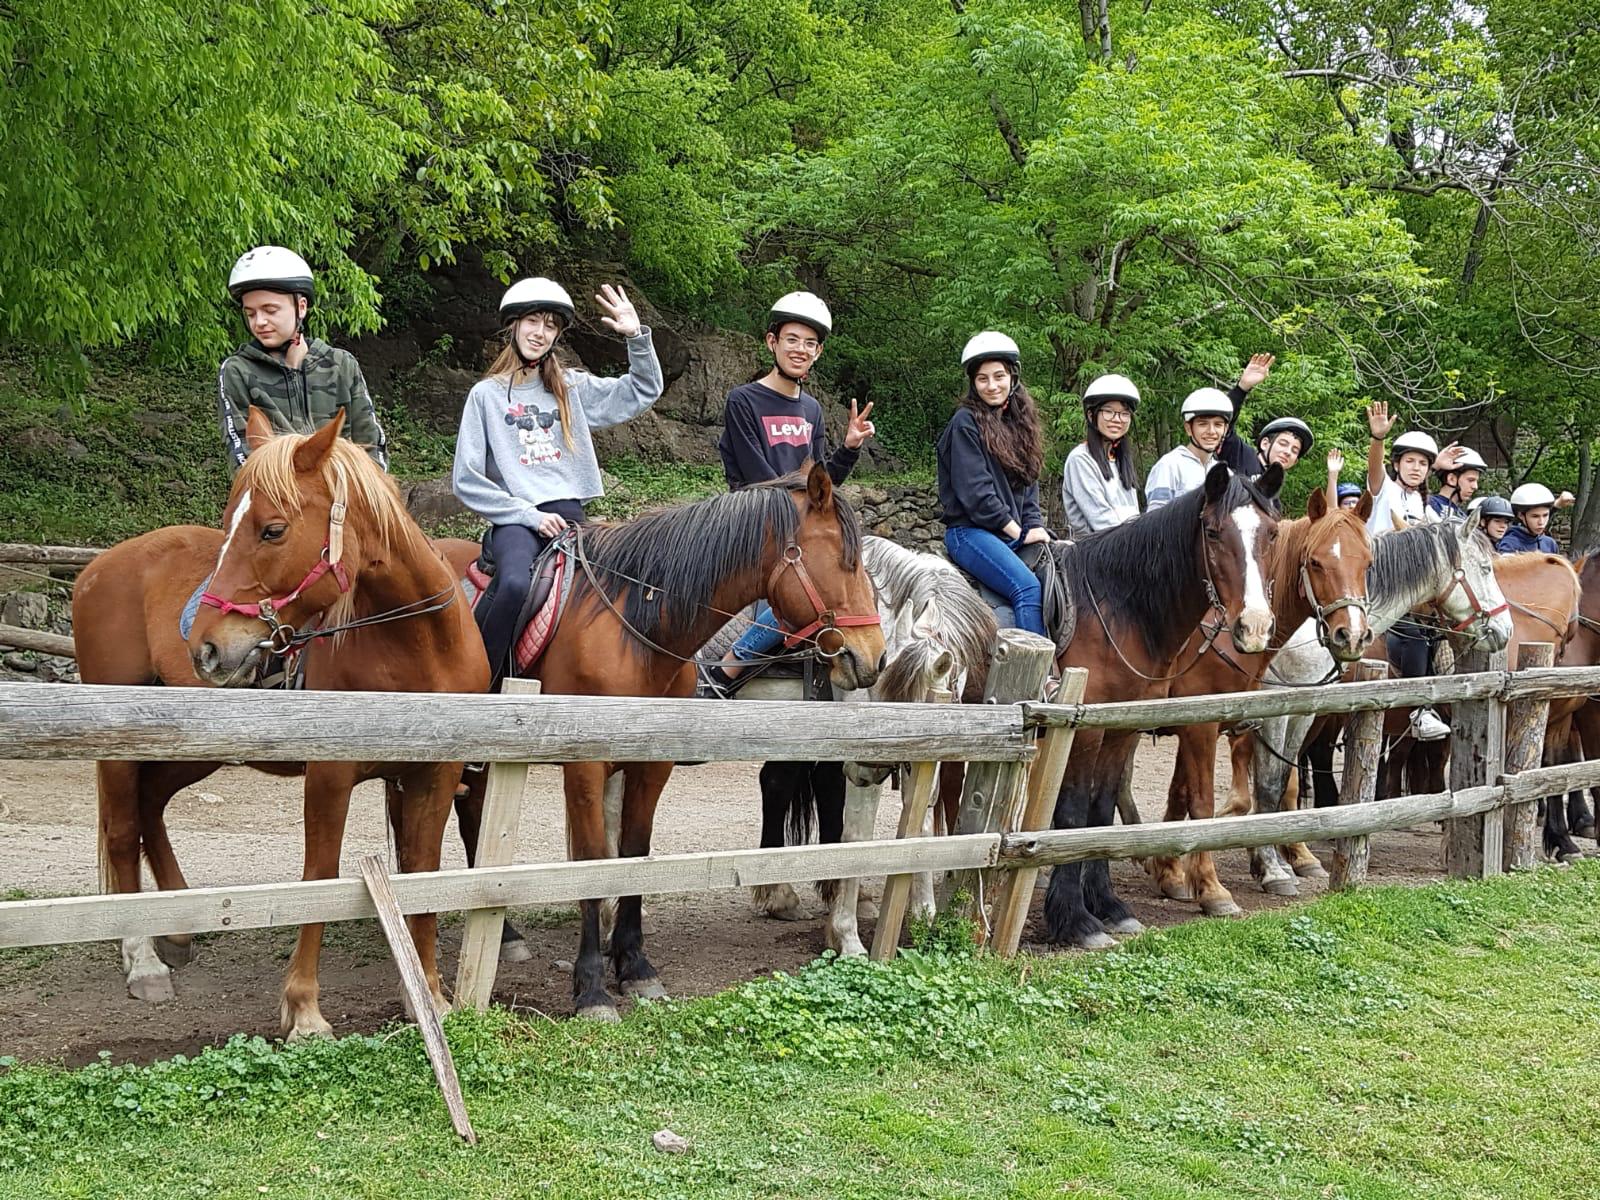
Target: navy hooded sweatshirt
x,y
974,488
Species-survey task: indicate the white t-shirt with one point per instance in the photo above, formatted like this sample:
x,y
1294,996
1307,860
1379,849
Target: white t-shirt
x,y
1393,499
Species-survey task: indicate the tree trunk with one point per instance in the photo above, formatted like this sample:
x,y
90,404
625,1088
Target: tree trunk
x,y
1586,513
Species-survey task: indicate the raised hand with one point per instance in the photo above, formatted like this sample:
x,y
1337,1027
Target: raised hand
x,y
1449,457
1566,500
1335,462
859,429
621,316
1256,370
1378,419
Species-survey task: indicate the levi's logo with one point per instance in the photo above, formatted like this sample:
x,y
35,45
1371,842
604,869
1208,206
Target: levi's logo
x,y
787,431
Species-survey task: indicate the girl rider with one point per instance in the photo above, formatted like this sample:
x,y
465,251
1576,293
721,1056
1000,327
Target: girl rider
x,y
989,456
1099,481
524,458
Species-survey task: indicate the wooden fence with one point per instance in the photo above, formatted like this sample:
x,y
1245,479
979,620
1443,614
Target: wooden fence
x,y
1498,724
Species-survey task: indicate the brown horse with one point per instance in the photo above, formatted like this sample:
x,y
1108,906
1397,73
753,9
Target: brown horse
x,y
1141,590
649,594
319,555
1318,568
1583,712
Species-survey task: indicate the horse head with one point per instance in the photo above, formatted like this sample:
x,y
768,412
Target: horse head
x,y
1472,602
1237,531
818,584
1332,573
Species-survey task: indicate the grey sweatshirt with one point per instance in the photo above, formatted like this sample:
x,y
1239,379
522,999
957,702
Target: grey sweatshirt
x,y
512,454
1092,501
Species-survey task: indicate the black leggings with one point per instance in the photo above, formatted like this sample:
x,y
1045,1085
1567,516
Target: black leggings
x,y
1410,648
515,549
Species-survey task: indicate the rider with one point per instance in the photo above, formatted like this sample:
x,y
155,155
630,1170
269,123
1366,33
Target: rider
x,y
524,458
1496,514
989,457
1284,440
1349,495
1207,414
771,427
1532,504
299,383
1099,480
1458,484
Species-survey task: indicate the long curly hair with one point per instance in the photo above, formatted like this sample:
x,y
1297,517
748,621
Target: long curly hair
x,y
1011,432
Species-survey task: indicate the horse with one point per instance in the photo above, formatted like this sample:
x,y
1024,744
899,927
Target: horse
x,y
319,556
1448,565
1318,567
1582,713
1140,590
646,596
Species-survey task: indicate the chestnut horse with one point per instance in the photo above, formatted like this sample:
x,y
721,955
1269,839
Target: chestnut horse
x,y
1318,568
647,595
318,543
1140,590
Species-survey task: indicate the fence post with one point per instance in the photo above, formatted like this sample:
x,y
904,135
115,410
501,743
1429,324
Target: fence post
x,y
1015,894
917,787
1525,730
1472,845
1363,748
1017,673
497,843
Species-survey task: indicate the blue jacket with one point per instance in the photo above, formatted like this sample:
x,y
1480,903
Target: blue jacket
x,y
1444,507
1517,540
974,489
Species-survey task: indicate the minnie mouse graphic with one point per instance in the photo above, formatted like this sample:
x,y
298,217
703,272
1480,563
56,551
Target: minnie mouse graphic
x,y
533,430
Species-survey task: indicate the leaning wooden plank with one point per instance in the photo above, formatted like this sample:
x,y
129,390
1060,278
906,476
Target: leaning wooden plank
x,y
21,552
1525,729
255,906
141,723
921,779
497,843
1472,846
19,638
1363,750
415,985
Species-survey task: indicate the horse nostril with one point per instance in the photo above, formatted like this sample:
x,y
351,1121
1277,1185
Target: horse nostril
x,y
883,661
209,656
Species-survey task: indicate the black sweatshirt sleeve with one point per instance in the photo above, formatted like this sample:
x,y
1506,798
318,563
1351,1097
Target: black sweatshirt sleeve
x,y
841,462
1235,451
1032,518
972,476
744,459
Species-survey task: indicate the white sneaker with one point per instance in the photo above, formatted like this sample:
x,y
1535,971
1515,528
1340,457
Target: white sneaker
x,y
1427,727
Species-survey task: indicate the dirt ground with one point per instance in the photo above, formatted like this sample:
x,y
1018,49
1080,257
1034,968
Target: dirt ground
x,y
68,1003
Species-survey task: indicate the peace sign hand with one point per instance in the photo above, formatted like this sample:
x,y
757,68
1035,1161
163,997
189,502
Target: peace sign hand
x,y
859,429
620,314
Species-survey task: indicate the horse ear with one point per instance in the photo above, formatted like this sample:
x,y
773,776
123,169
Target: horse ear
x,y
1270,481
1317,504
1470,525
1397,520
926,622
1364,505
1217,482
257,429
819,487
309,455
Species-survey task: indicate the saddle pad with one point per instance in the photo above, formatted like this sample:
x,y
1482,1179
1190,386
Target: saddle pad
x,y
537,626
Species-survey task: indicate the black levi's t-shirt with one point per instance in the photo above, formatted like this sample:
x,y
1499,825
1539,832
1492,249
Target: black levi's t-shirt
x,y
766,434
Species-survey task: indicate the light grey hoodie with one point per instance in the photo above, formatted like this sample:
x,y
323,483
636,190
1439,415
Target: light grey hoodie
x,y
512,454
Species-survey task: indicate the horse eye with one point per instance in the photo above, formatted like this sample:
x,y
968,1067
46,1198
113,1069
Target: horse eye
x,y
1214,534
273,532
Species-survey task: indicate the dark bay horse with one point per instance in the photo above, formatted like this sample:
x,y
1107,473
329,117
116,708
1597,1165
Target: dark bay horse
x,y
653,592
316,537
1318,572
1140,590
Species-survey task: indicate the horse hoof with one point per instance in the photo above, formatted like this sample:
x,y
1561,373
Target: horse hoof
x,y
606,1014
306,1028
780,902
867,910
1280,887
155,988
1177,891
1094,941
175,953
1126,926
1310,870
515,952
644,989
1584,831
1221,908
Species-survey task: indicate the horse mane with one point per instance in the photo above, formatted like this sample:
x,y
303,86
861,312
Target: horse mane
x,y
684,554
905,580
371,494
1136,571
1405,562
1298,540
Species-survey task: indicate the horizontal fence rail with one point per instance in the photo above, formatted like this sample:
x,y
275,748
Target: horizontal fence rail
x,y
254,906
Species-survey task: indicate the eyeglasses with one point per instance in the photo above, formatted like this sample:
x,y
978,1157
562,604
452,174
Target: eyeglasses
x,y
809,345
1116,414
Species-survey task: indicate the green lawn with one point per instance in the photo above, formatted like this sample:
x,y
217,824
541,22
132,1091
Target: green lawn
x,y
1392,1043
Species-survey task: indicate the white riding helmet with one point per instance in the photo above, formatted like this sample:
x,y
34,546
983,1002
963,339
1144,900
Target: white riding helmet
x,y
990,346
1207,402
1415,440
536,295
1111,387
271,269
804,308
1468,460
1533,495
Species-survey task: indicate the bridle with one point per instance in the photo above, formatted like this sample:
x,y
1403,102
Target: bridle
x,y
1479,614
824,619
1324,612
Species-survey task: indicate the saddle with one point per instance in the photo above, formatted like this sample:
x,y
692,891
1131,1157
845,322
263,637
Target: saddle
x,y
1047,561
547,598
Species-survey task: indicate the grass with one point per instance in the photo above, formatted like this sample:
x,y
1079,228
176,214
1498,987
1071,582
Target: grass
x,y
1387,1043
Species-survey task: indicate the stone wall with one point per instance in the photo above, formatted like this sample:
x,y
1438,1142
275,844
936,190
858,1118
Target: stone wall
x,y
907,513
36,610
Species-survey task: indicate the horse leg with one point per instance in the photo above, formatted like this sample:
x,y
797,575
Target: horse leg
x,y
1275,744
1197,756
921,905
1297,854
611,803
1166,871
783,800
424,794
327,805
1558,843
148,978
1098,894
1067,918
857,808
585,785
1585,741
469,817
635,975
158,783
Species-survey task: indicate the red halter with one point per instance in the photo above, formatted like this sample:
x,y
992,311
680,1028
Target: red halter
x,y
332,560
826,619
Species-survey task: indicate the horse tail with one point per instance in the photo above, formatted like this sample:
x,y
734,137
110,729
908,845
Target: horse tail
x,y
788,785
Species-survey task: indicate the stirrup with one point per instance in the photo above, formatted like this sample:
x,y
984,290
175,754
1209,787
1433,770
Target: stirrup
x,y
713,683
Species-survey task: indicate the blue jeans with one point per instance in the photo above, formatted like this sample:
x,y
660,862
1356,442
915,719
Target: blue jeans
x,y
992,560
761,639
